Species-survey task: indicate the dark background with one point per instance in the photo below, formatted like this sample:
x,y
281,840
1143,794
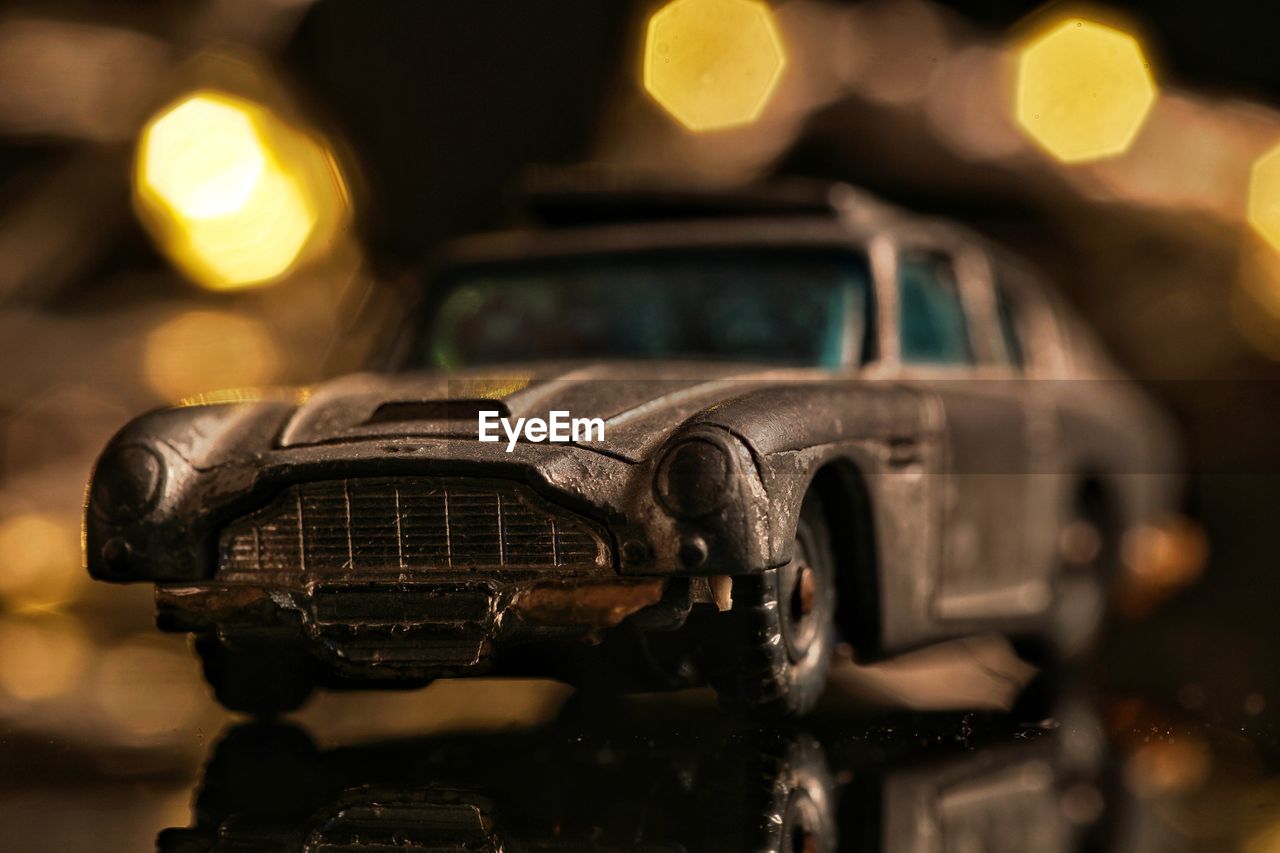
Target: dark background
x,y
438,108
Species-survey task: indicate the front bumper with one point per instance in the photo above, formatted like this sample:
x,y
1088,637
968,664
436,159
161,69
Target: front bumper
x,y
407,631
177,539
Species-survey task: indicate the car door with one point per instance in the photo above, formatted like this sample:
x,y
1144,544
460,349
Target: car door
x,y
948,348
1032,350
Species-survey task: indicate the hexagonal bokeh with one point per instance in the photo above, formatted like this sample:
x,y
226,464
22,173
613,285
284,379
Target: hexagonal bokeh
x,y
1264,197
1083,91
204,156
232,193
713,64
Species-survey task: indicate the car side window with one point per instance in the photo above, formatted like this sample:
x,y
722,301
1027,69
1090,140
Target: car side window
x,y
931,313
1006,315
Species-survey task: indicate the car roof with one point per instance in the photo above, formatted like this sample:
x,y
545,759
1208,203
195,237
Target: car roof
x,y
575,213
531,244
590,196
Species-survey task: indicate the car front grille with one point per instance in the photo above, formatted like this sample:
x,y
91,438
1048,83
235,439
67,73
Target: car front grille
x,y
373,528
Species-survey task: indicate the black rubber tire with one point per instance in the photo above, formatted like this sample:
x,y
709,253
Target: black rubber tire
x,y
262,768
262,680
756,664
1066,654
1079,613
772,793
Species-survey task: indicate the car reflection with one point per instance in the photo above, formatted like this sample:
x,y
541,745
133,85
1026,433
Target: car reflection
x,y
639,776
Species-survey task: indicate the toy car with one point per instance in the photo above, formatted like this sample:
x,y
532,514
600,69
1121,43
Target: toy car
x,y
819,420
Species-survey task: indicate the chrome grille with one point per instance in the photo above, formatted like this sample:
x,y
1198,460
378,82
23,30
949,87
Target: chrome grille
x,y
365,528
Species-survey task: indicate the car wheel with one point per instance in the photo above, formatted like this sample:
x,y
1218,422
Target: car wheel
x,y
1081,585
1087,553
1078,614
774,796
777,640
261,767
256,679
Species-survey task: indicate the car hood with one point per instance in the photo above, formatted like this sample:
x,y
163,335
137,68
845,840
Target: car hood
x,y
640,403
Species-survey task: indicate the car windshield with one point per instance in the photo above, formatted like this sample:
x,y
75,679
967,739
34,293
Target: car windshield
x,y
780,307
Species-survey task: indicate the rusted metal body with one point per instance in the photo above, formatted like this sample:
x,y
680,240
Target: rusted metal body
x,y
367,527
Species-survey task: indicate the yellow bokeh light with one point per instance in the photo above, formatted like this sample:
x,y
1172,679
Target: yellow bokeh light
x,y
1083,91
41,657
713,64
1264,197
149,686
1264,840
206,350
1165,768
233,194
204,174
42,561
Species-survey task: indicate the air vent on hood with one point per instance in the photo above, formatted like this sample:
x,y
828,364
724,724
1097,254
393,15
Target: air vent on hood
x,y
435,410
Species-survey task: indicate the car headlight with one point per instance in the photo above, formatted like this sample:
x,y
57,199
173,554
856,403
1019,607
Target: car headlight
x,y
126,483
692,477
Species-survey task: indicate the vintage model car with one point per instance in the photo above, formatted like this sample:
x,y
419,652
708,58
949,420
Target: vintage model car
x,y
822,421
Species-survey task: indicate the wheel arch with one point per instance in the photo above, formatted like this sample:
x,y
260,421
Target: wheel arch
x,y
1097,496
847,509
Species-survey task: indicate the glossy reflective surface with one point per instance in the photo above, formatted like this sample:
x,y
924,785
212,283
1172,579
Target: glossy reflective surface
x,y
483,765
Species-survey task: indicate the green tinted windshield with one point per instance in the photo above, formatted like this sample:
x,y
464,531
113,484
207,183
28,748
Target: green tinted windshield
x,y
777,307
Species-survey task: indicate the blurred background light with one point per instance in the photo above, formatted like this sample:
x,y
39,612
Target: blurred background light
x,y
897,46
233,194
1159,558
204,157
52,81
42,561
149,685
200,351
1254,320
1167,766
1265,840
713,64
41,656
1264,197
1083,90
1193,156
961,111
